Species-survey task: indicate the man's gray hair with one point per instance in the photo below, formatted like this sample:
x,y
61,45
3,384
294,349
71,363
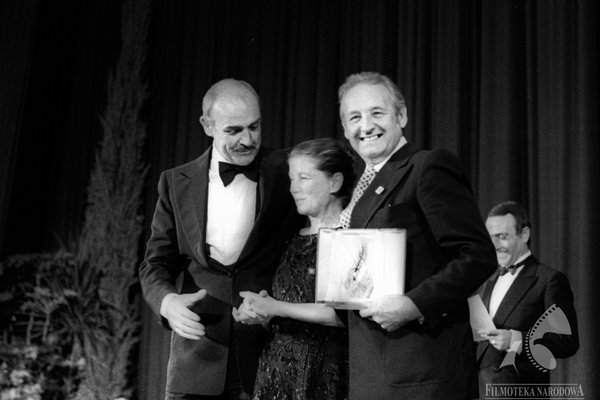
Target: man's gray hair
x,y
373,78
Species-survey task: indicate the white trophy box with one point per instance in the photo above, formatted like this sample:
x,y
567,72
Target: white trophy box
x,y
355,266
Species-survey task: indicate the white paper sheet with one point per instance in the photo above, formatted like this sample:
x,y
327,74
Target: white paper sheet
x,y
480,319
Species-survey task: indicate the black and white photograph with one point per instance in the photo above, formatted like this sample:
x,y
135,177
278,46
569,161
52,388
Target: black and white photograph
x,y
170,171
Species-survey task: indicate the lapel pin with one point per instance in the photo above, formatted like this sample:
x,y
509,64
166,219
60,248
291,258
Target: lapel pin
x,y
379,190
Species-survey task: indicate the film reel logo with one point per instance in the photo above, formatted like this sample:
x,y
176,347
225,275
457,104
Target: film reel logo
x,y
553,320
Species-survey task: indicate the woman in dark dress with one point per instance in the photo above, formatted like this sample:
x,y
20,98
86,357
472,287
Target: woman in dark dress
x,y
307,354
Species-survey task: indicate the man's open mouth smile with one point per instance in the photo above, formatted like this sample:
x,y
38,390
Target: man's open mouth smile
x,y
370,138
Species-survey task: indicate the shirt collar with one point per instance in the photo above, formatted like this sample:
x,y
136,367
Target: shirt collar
x,y
216,157
377,167
516,272
524,256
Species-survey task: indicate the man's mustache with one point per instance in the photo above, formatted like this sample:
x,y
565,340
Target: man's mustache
x,y
244,148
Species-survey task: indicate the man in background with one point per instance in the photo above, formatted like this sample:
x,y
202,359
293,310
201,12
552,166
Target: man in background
x,y
517,296
219,224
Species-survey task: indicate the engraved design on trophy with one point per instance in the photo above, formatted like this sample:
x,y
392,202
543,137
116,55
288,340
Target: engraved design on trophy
x,y
359,282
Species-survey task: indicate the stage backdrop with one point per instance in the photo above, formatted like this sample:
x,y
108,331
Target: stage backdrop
x,y
511,87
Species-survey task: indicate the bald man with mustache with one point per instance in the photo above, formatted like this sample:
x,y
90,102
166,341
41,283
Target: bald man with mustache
x,y
219,226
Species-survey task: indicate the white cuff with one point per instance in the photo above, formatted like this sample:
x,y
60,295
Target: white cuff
x,y
516,339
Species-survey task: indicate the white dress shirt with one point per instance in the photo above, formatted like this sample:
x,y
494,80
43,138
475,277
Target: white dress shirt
x,y
501,287
230,215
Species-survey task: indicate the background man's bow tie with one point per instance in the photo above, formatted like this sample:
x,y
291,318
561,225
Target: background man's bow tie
x,y
503,270
512,269
227,172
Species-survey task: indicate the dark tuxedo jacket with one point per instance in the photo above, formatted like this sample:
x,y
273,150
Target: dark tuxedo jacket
x,y
535,289
449,255
177,248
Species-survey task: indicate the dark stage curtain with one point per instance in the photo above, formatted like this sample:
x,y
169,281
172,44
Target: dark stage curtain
x,y
511,87
60,54
17,21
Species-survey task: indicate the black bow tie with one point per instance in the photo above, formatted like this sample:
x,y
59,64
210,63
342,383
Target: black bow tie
x,y
512,269
227,172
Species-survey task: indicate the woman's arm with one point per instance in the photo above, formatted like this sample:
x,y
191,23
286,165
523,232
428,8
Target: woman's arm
x,y
262,307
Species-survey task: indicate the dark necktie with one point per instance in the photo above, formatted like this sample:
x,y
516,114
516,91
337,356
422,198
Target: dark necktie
x,y
227,172
512,269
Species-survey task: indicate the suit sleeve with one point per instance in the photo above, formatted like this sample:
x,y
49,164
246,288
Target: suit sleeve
x,y
163,261
457,232
558,292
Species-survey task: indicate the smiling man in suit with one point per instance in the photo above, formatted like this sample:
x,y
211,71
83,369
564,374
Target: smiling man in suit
x,y
517,296
418,345
219,225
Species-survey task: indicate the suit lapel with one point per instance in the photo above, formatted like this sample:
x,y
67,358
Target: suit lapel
x,y
193,184
382,185
266,172
524,281
486,293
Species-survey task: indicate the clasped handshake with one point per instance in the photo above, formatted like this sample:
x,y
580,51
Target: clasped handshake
x,y
389,312
257,308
